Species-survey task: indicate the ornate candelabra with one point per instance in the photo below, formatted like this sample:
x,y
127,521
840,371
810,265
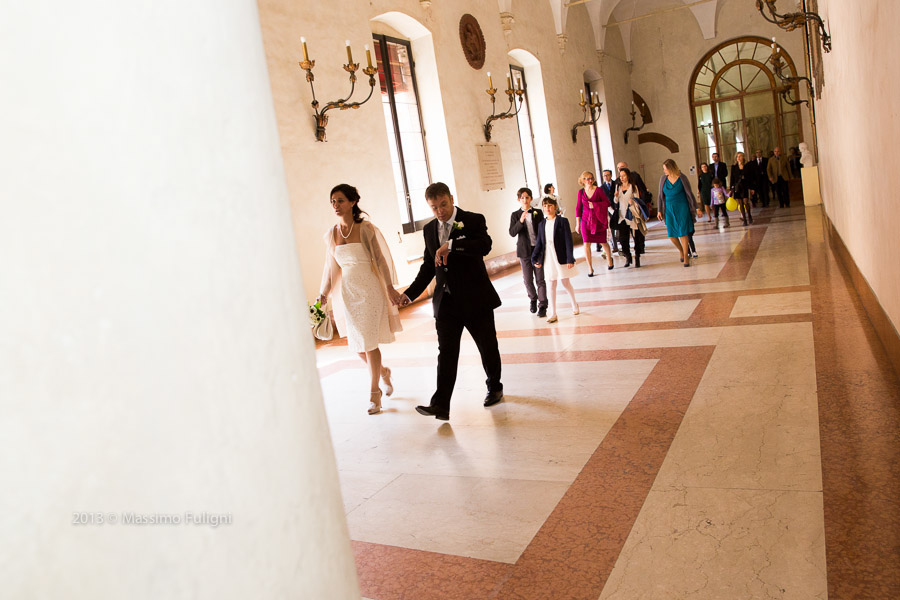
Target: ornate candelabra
x,y
513,95
633,128
779,66
794,20
321,116
585,106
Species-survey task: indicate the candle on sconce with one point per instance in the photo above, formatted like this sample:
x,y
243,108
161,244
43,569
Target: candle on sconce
x,y
368,56
349,56
582,94
305,53
508,83
490,81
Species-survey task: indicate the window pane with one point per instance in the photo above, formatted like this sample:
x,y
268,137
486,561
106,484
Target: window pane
x,y
730,83
411,171
526,139
753,78
762,128
731,130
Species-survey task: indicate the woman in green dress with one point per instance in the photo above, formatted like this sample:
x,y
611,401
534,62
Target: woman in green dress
x,y
676,205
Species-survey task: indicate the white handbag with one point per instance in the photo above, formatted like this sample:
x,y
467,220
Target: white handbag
x,y
324,330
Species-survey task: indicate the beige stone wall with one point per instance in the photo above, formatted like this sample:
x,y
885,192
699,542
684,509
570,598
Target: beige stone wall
x,y
357,147
665,50
858,129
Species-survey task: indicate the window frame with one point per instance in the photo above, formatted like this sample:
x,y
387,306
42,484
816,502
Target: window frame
x,y
714,99
380,42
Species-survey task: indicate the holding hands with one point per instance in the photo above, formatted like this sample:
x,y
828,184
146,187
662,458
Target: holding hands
x,y
395,297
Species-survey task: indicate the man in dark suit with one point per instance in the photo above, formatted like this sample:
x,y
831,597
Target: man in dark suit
x,y
779,172
719,169
456,242
523,225
761,178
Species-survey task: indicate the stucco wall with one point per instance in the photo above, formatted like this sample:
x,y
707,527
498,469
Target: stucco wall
x,y
357,148
858,127
665,50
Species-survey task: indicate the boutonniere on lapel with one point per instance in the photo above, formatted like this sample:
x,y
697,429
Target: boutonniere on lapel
x,y
458,225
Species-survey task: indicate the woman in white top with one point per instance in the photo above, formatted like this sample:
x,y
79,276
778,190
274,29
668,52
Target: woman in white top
x,y
359,268
627,205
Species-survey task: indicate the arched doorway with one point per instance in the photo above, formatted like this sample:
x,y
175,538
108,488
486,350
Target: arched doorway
x,y
736,105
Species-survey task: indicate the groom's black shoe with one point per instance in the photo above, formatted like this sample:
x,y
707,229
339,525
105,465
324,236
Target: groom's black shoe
x,y
493,398
533,307
430,412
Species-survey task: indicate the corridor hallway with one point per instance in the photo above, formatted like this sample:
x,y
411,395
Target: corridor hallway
x,y
724,431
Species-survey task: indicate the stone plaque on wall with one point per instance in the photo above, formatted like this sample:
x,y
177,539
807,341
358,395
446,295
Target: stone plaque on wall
x,y
490,166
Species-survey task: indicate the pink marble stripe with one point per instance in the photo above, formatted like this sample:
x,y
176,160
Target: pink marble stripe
x,y
573,553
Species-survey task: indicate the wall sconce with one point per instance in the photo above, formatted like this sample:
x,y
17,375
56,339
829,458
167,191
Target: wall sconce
x,y
513,94
706,127
584,104
321,116
795,20
778,65
633,128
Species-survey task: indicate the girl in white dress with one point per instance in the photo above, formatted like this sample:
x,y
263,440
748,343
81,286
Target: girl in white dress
x,y
359,268
553,249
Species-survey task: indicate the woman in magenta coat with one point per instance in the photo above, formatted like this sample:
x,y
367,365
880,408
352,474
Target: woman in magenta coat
x,y
592,218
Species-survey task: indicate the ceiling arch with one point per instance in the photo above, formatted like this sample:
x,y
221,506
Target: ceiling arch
x,y
622,13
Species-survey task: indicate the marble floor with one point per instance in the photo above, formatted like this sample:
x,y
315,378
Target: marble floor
x,y
693,433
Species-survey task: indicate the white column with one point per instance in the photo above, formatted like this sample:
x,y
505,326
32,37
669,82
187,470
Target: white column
x,y
155,357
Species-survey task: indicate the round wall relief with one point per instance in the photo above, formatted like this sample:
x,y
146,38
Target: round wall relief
x,y
472,40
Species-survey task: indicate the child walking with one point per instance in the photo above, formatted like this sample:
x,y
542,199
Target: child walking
x,y
524,225
552,250
718,197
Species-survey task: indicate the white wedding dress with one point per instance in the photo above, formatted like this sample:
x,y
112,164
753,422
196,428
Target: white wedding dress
x,y
365,304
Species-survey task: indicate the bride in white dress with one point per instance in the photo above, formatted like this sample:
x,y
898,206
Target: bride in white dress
x,y
360,274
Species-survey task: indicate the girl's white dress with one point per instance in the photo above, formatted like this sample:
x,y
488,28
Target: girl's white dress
x,y
552,269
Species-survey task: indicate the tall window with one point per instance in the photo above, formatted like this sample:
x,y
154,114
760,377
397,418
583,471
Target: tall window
x,y
406,137
736,102
526,134
595,139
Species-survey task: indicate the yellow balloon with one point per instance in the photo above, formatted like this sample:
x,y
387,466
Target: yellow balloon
x,y
731,204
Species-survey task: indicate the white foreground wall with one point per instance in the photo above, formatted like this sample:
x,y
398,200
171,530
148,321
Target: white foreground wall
x,y
858,129
154,352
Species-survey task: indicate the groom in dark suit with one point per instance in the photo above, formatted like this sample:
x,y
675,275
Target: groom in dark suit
x,y
456,242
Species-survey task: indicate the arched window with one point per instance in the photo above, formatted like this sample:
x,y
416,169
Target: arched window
x,y
736,105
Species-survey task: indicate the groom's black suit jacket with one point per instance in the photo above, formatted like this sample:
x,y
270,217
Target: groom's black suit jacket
x,y
464,274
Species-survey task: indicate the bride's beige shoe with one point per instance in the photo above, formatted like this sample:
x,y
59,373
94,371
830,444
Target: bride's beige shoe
x,y
375,403
386,378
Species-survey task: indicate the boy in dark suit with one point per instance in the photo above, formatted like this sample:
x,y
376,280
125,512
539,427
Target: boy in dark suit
x,y
523,225
456,242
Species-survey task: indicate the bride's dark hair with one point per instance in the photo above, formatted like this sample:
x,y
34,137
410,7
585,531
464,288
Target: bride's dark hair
x,y
352,195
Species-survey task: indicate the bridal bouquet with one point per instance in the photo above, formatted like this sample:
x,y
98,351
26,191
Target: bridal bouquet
x,y
316,314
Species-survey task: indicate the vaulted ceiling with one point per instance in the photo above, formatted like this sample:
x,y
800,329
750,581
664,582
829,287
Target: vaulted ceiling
x,y
605,14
